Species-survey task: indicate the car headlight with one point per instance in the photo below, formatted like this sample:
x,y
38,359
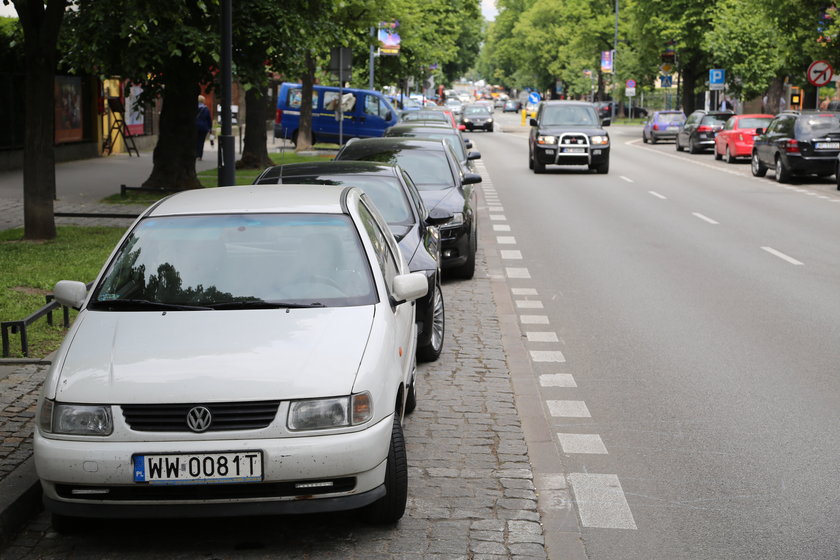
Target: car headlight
x,y
466,119
322,414
489,120
599,140
546,139
76,419
457,220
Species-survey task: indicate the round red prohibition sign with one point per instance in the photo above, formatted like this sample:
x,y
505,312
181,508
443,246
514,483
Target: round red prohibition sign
x,y
820,73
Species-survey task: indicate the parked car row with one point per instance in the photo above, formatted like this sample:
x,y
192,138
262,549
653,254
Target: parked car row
x,y
252,350
790,143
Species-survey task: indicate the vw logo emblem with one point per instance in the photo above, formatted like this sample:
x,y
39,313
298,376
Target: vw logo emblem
x,y
199,419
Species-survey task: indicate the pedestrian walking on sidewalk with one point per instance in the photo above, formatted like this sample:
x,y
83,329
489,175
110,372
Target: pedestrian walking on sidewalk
x,y
203,124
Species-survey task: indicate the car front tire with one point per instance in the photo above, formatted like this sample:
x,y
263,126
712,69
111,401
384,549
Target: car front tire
x,y
391,507
677,144
539,167
758,169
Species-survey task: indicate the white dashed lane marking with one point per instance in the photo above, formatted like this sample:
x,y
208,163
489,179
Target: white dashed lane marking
x,y
782,256
657,195
523,291
528,304
541,336
704,218
568,409
533,319
498,217
582,443
511,255
517,273
557,380
506,240
601,501
548,356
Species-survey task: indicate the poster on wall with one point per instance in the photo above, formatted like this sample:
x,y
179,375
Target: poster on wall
x,y
68,109
134,112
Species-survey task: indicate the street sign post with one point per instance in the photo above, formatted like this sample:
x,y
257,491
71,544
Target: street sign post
x,y
630,88
534,97
820,73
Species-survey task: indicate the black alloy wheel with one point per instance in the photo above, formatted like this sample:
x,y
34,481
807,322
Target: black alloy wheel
x,y
431,351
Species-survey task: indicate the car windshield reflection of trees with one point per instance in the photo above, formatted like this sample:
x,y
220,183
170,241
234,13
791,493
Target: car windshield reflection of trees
x,y
386,192
568,116
429,169
238,262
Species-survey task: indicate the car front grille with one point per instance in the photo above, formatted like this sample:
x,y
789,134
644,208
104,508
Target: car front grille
x,y
574,140
225,416
165,492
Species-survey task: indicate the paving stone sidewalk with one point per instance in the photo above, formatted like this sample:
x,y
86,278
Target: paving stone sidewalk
x,y
471,491
19,388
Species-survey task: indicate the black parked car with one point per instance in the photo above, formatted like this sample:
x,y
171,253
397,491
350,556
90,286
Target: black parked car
x,y
568,133
453,137
698,132
444,186
397,199
477,116
806,143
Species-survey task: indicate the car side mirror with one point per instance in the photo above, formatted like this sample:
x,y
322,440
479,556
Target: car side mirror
x,y
759,131
474,155
438,217
471,178
70,293
409,287
389,115
533,122
606,122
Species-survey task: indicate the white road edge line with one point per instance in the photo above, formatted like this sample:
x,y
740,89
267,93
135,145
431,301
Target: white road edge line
x,y
657,195
705,218
782,256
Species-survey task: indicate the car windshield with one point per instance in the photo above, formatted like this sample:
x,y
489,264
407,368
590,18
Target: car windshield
x,y
238,261
429,169
477,111
669,118
820,124
569,115
754,122
386,192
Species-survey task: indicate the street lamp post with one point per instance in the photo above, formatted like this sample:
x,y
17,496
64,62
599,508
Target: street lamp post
x,y
615,56
227,157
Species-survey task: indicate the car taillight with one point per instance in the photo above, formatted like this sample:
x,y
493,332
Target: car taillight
x,y
791,146
278,116
655,126
704,128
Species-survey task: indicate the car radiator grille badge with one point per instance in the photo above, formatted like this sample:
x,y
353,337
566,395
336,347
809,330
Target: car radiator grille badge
x,y
199,419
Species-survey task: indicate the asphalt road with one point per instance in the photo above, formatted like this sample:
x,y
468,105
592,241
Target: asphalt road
x,y
696,309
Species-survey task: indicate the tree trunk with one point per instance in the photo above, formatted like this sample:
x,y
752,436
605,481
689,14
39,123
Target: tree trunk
x,y
255,151
174,155
41,24
304,134
689,83
774,95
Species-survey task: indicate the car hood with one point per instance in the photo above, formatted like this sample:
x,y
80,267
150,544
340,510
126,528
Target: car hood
x,y
558,130
213,356
398,231
449,199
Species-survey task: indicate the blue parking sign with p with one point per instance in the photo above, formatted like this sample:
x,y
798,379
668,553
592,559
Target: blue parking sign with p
x,y
717,76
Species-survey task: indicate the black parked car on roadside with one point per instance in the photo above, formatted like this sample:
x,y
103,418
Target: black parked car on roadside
x,y
698,132
434,131
398,200
568,133
794,143
444,186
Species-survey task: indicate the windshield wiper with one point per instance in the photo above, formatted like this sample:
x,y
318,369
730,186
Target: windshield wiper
x,y
260,304
145,305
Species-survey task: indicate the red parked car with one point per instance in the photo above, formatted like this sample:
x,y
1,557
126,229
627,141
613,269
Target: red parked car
x,y
736,138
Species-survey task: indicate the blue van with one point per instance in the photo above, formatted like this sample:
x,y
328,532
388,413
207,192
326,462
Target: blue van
x,y
367,113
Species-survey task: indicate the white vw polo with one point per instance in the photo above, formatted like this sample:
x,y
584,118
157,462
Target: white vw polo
x,y
245,350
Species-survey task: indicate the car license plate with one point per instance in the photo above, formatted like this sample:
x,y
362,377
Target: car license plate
x,y
549,152
673,128
198,468
827,146
574,150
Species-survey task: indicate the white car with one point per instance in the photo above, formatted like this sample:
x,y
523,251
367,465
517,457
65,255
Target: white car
x,y
245,350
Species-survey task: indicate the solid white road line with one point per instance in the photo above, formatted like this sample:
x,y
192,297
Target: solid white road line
x,y
601,501
582,443
568,409
657,195
704,218
541,336
557,380
782,256
544,356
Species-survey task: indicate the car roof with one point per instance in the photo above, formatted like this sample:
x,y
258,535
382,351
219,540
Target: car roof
x,y
567,102
430,126
343,167
376,145
256,199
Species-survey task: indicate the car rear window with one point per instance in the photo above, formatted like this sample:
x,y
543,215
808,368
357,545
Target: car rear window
x,y
453,140
234,261
715,119
670,117
819,124
754,122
